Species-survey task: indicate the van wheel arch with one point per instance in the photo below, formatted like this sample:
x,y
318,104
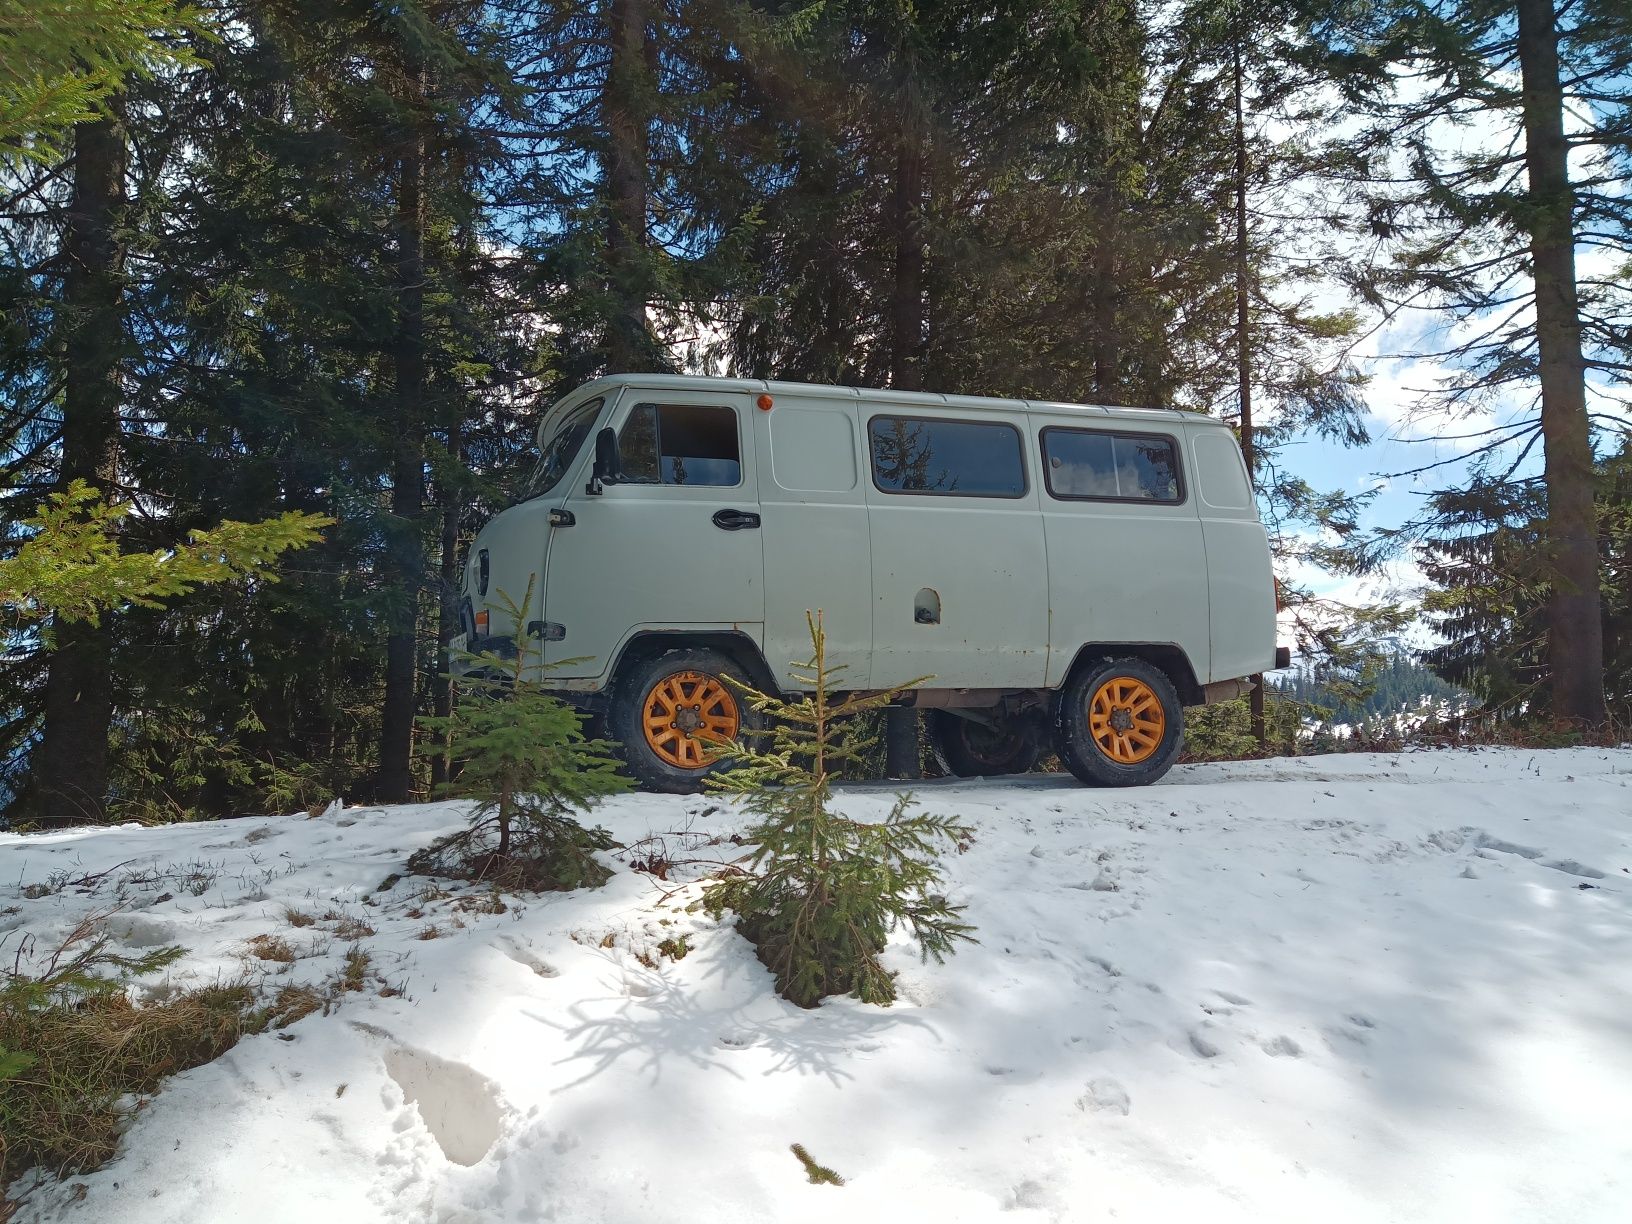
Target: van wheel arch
x,y
738,647
1167,656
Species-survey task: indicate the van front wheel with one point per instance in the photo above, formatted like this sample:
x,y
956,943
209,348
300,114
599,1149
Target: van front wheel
x,y
1119,723
666,710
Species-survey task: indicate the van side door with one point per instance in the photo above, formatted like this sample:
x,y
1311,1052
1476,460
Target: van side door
x,y
960,578
817,552
673,542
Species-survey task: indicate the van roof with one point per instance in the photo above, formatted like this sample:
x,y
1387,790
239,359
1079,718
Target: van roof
x,y
975,403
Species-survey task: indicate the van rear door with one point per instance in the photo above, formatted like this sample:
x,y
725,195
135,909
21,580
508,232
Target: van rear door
x,y
1126,561
675,542
1239,576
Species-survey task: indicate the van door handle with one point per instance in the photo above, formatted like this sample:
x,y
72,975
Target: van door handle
x,y
735,520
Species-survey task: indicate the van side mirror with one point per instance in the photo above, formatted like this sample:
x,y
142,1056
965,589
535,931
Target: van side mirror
x,y
605,471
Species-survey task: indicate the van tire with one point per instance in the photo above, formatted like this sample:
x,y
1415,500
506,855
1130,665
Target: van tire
x,y
634,690
968,749
1115,697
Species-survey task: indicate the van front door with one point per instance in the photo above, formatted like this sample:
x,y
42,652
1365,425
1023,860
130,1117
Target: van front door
x,y
674,542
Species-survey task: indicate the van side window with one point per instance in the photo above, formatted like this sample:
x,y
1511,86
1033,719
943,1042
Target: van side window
x,y
963,458
1092,465
680,444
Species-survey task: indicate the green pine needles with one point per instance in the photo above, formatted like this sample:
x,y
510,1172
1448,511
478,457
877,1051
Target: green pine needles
x,y
523,755
822,893
71,563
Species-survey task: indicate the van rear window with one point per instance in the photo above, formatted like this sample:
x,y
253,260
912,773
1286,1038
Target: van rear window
x,y
680,444
960,458
1090,465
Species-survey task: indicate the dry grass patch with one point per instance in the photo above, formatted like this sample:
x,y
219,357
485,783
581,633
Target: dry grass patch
x,y
355,974
292,1003
73,1047
352,929
271,948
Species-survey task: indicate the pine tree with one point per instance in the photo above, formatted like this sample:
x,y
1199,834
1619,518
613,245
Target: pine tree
x,y
523,756
624,176
71,770
1490,233
1486,559
305,365
821,893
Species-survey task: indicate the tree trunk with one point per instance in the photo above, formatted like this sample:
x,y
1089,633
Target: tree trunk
x,y
906,371
405,560
1107,348
1243,343
628,121
1575,645
448,625
71,769
907,293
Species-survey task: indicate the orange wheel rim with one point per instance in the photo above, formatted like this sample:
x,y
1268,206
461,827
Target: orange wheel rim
x,y
1126,720
683,712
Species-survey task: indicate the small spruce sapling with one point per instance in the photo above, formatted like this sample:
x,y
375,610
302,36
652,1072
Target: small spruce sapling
x,y
524,756
821,893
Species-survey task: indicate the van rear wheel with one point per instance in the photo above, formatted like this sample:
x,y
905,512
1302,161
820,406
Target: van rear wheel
x,y
666,710
1118,722
970,749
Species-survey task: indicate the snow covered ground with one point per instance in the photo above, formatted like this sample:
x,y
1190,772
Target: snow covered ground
x,y
1336,988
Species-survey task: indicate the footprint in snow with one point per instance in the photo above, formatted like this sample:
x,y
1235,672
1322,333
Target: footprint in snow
x,y
1352,1034
1203,1045
1489,847
1485,841
1029,1195
1571,867
1282,1047
459,1106
1105,1095
513,949
136,931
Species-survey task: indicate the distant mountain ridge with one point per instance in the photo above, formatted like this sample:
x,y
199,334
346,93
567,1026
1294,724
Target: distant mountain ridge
x,y
1402,686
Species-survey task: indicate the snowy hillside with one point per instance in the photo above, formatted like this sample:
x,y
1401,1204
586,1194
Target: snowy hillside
x,y
1341,988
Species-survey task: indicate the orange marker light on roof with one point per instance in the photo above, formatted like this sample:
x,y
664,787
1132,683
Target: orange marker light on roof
x,y
765,403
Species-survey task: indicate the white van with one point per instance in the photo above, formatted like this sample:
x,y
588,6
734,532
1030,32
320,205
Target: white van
x,y
1070,576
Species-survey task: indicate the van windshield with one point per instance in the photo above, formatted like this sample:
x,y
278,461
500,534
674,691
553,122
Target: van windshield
x,y
559,452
